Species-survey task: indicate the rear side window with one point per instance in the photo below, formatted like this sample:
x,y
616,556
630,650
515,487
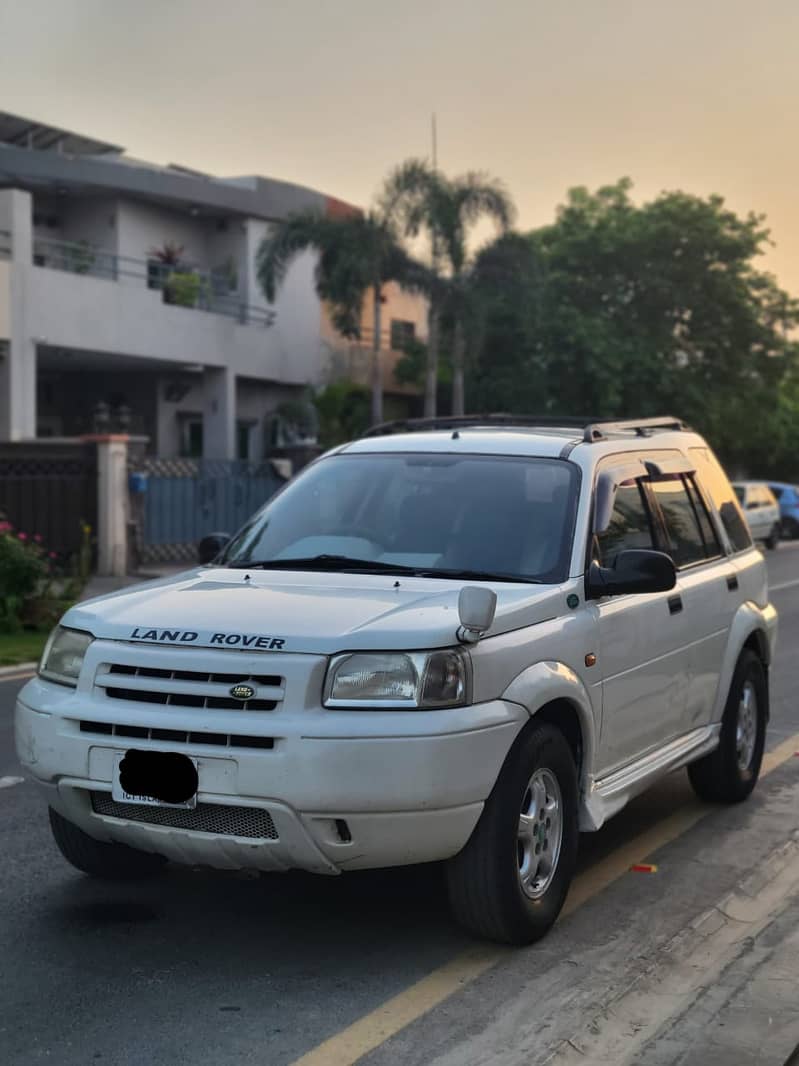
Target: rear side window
x,y
629,527
715,483
690,537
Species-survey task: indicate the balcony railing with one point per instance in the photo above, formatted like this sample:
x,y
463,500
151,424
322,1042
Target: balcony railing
x,y
182,286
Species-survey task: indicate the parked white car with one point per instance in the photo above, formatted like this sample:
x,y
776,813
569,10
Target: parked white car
x,y
465,642
762,511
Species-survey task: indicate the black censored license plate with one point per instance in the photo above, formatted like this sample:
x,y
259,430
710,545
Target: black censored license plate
x,y
155,779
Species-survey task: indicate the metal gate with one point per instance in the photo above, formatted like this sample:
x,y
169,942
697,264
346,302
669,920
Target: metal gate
x,y
49,489
185,499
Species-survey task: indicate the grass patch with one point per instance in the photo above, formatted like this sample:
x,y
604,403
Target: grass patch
x,y
23,647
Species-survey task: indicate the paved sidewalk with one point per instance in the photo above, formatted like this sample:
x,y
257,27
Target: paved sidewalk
x,y
750,1015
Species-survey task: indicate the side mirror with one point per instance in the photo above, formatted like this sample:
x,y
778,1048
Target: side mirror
x,y
635,570
210,546
476,609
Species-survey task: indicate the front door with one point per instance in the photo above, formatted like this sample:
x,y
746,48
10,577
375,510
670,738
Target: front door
x,y
642,649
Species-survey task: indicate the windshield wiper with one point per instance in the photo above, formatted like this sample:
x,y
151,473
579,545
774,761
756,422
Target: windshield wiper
x,y
323,562
344,563
479,575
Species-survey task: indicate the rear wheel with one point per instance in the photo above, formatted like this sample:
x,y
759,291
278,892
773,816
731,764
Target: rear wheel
x,y
113,862
510,881
773,539
729,773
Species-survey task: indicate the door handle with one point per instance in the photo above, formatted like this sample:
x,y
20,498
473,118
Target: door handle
x,y
675,604
732,582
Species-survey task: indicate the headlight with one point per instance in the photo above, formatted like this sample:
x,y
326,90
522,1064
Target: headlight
x,y
63,655
397,679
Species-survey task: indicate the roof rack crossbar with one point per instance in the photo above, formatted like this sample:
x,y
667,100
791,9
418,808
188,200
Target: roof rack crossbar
x,y
590,429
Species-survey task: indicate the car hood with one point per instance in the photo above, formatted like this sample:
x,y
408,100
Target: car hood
x,y
302,612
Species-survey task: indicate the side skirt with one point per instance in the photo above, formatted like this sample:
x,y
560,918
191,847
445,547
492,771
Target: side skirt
x,y
608,795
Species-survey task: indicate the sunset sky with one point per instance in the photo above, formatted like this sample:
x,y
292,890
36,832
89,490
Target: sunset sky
x,y
697,95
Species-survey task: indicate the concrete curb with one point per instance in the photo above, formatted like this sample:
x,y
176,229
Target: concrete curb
x,y
18,669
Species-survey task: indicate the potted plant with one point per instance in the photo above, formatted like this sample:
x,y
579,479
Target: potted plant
x,y
165,261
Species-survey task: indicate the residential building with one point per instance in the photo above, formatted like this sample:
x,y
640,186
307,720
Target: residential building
x,y
129,300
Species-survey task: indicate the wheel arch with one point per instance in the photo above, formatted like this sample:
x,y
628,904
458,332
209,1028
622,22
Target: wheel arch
x,y
552,692
753,628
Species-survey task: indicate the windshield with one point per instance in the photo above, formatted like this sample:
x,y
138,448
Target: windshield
x,y
447,514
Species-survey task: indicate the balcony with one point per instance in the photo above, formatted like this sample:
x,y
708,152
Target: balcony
x,y
185,286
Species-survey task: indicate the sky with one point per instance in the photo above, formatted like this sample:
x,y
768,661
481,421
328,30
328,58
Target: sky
x,y
698,95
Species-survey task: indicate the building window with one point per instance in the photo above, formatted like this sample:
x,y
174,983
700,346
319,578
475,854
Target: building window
x,y
244,440
402,334
191,437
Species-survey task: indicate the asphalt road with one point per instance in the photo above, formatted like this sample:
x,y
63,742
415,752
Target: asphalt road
x,y
209,969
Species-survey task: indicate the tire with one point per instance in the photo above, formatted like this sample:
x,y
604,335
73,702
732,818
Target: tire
x,y
111,862
728,774
485,879
773,539
790,529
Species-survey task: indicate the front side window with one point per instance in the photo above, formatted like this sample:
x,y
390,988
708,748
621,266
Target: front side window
x,y
501,516
630,524
716,485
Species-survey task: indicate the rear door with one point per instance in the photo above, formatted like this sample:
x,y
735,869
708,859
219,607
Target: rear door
x,y
706,597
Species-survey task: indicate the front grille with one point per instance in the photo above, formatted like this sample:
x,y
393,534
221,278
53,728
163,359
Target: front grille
x,y
250,822
140,684
176,736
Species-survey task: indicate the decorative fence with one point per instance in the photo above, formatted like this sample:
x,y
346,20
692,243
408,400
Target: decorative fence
x,y
182,500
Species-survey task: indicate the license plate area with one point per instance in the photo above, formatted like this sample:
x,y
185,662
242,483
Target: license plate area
x,y
155,779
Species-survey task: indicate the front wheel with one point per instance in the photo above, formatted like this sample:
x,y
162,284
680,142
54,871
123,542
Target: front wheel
x,y
773,539
728,774
510,881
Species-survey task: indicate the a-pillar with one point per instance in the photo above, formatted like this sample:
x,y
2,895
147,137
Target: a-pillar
x,y
219,413
17,348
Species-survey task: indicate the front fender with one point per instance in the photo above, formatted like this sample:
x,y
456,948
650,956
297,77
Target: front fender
x,y
546,682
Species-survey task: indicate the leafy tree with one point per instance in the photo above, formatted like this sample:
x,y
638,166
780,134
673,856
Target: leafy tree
x,y
422,198
343,409
618,310
358,254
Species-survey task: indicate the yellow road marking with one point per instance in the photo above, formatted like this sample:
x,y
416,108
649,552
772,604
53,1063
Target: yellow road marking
x,y
375,1028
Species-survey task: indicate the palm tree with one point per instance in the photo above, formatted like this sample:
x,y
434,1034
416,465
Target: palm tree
x,y
421,198
358,254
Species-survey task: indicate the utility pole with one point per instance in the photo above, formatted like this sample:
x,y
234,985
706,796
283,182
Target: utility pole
x,y
431,373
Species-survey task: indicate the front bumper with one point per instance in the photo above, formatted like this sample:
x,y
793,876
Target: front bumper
x,y
344,790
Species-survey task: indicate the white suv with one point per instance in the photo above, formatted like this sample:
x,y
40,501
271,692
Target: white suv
x,y
464,642
761,509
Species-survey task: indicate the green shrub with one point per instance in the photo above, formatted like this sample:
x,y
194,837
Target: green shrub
x,y
185,288
23,567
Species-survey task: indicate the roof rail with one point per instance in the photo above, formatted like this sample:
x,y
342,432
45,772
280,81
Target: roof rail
x,y
640,427
589,429
420,425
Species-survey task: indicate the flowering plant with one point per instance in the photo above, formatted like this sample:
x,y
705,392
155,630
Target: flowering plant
x,y
23,566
